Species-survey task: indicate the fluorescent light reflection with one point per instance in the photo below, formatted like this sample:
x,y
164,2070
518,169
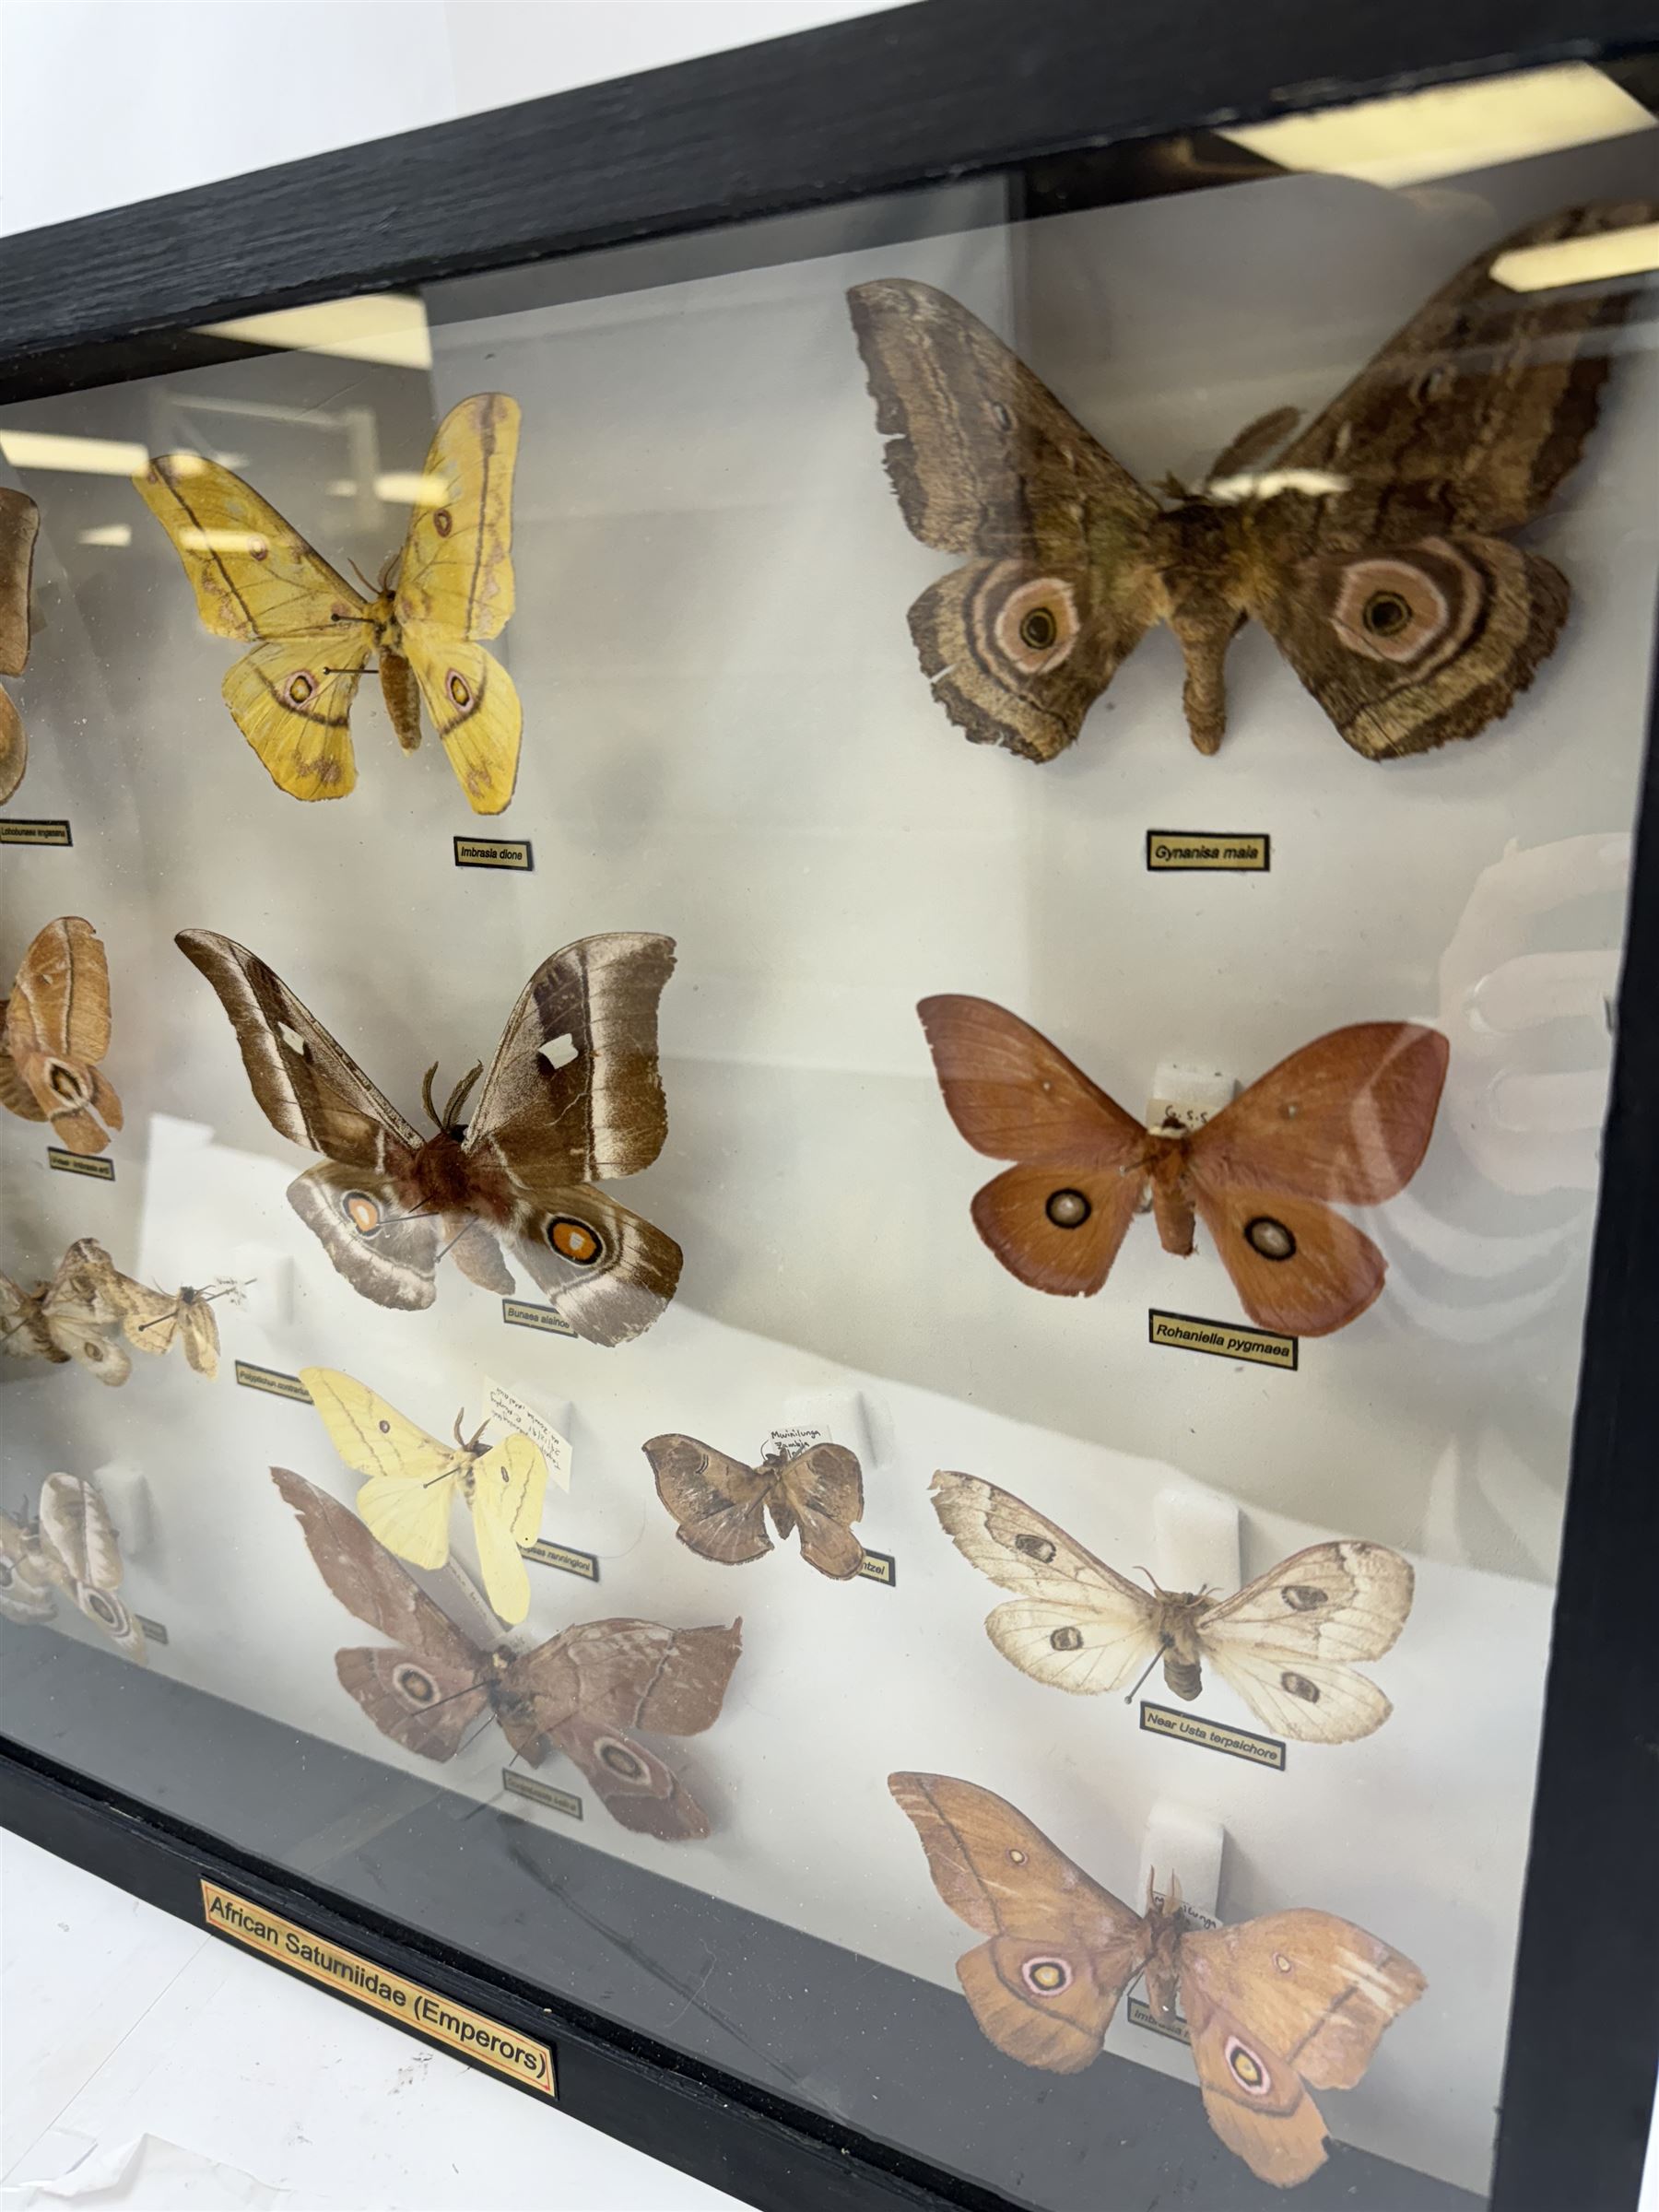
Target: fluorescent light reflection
x,y
73,456
1611,253
106,534
386,327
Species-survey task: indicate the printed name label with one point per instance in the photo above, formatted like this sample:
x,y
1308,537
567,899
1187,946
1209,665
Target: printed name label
x,y
35,833
1247,852
153,1630
522,1316
879,1566
493,852
541,1792
79,1163
272,1380
486,2042
1212,1736
1221,1339
1141,2015
565,1557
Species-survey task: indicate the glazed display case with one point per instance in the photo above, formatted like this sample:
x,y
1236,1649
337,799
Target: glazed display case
x,y
829,1093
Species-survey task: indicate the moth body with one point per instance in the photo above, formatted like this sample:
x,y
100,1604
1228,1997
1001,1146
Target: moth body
x,y
1175,1625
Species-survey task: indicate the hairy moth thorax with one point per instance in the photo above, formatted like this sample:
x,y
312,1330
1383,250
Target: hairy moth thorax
x,y
1176,1625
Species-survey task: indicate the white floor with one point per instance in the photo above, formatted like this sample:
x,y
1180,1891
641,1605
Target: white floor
x,y
144,2063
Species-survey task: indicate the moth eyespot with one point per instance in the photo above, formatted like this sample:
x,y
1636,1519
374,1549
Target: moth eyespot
x,y
67,1083
410,1682
1283,1963
1245,2067
1017,1858
459,690
1384,614
1303,1597
259,548
1270,1238
1300,1687
1047,1977
622,1761
93,1353
1066,1640
1000,416
1035,625
362,1212
575,1240
300,686
443,521
1068,1209
100,1608
1035,1547
385,1428
1039,630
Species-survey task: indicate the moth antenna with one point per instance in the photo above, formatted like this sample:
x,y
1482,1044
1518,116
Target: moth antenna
x,y
426,1096
372,589
457,1427
462,1092
478,1435
1151,1889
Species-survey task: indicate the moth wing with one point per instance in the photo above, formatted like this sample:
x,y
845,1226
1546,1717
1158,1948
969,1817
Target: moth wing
x,y
1285,1641
76,1529
23,1331
456,570
823,1488
291,699
19,524
90,1343
507,1485
311,1090
719,1504
88,1286
1280,2005
474,708
14,748
1014,1096
25,1585
425,1704
1104,1623
385,1253
1061,1949
601,1113
369,1584
1334,1272
60,1002
605,1270
410,1476
638,1789
473,1247
198,1331
149,1319
253,573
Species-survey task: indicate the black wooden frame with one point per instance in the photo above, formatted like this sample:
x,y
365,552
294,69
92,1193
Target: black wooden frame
x,y
925,94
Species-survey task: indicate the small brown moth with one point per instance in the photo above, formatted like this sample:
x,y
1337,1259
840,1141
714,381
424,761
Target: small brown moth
x,y
389,1203
1373,546
54,1029
1272,2009
1346,1119
1285,1642
19,521
721,1504
581,1692
71,1317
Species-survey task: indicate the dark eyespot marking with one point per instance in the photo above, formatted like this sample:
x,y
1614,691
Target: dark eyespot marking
x,y
575,1240
459,690
1047,1977
362,1212
385,1428
1017,1858
1303,1597
1245,2067
102,1608
1300,1687
1038,629
443,521
420,1689
622,1761
300,686
1035,1547
1067,1639
1270,1238
93,1353
259,548
67,1083
1068,1209
1385,614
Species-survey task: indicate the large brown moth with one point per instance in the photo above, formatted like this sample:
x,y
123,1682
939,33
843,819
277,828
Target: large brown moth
x,y
721,1504
72,1316
1346,1119
1285,1642
72,1546
1273,2008
583,1692
19,521
1373,546
54,1029
389,1204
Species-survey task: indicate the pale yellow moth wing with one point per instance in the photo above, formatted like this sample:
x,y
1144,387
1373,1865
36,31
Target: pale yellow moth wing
x,y
253,573
1283,1644
507,1485
475,709
88,1342
456,570
291,700
198,1331
1080,1625
411,1476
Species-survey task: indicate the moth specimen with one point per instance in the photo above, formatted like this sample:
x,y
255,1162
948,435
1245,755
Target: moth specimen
x,y
581,1692
19,521
721,1504
1347,1120
411,1479
1285,1643
1373,546
72,1316
1273,2008
153,1321
389,1204
72,1548
448,589
54,1029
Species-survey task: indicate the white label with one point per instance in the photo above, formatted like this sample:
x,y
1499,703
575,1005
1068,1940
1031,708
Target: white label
x,y
786,1443
513,1413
